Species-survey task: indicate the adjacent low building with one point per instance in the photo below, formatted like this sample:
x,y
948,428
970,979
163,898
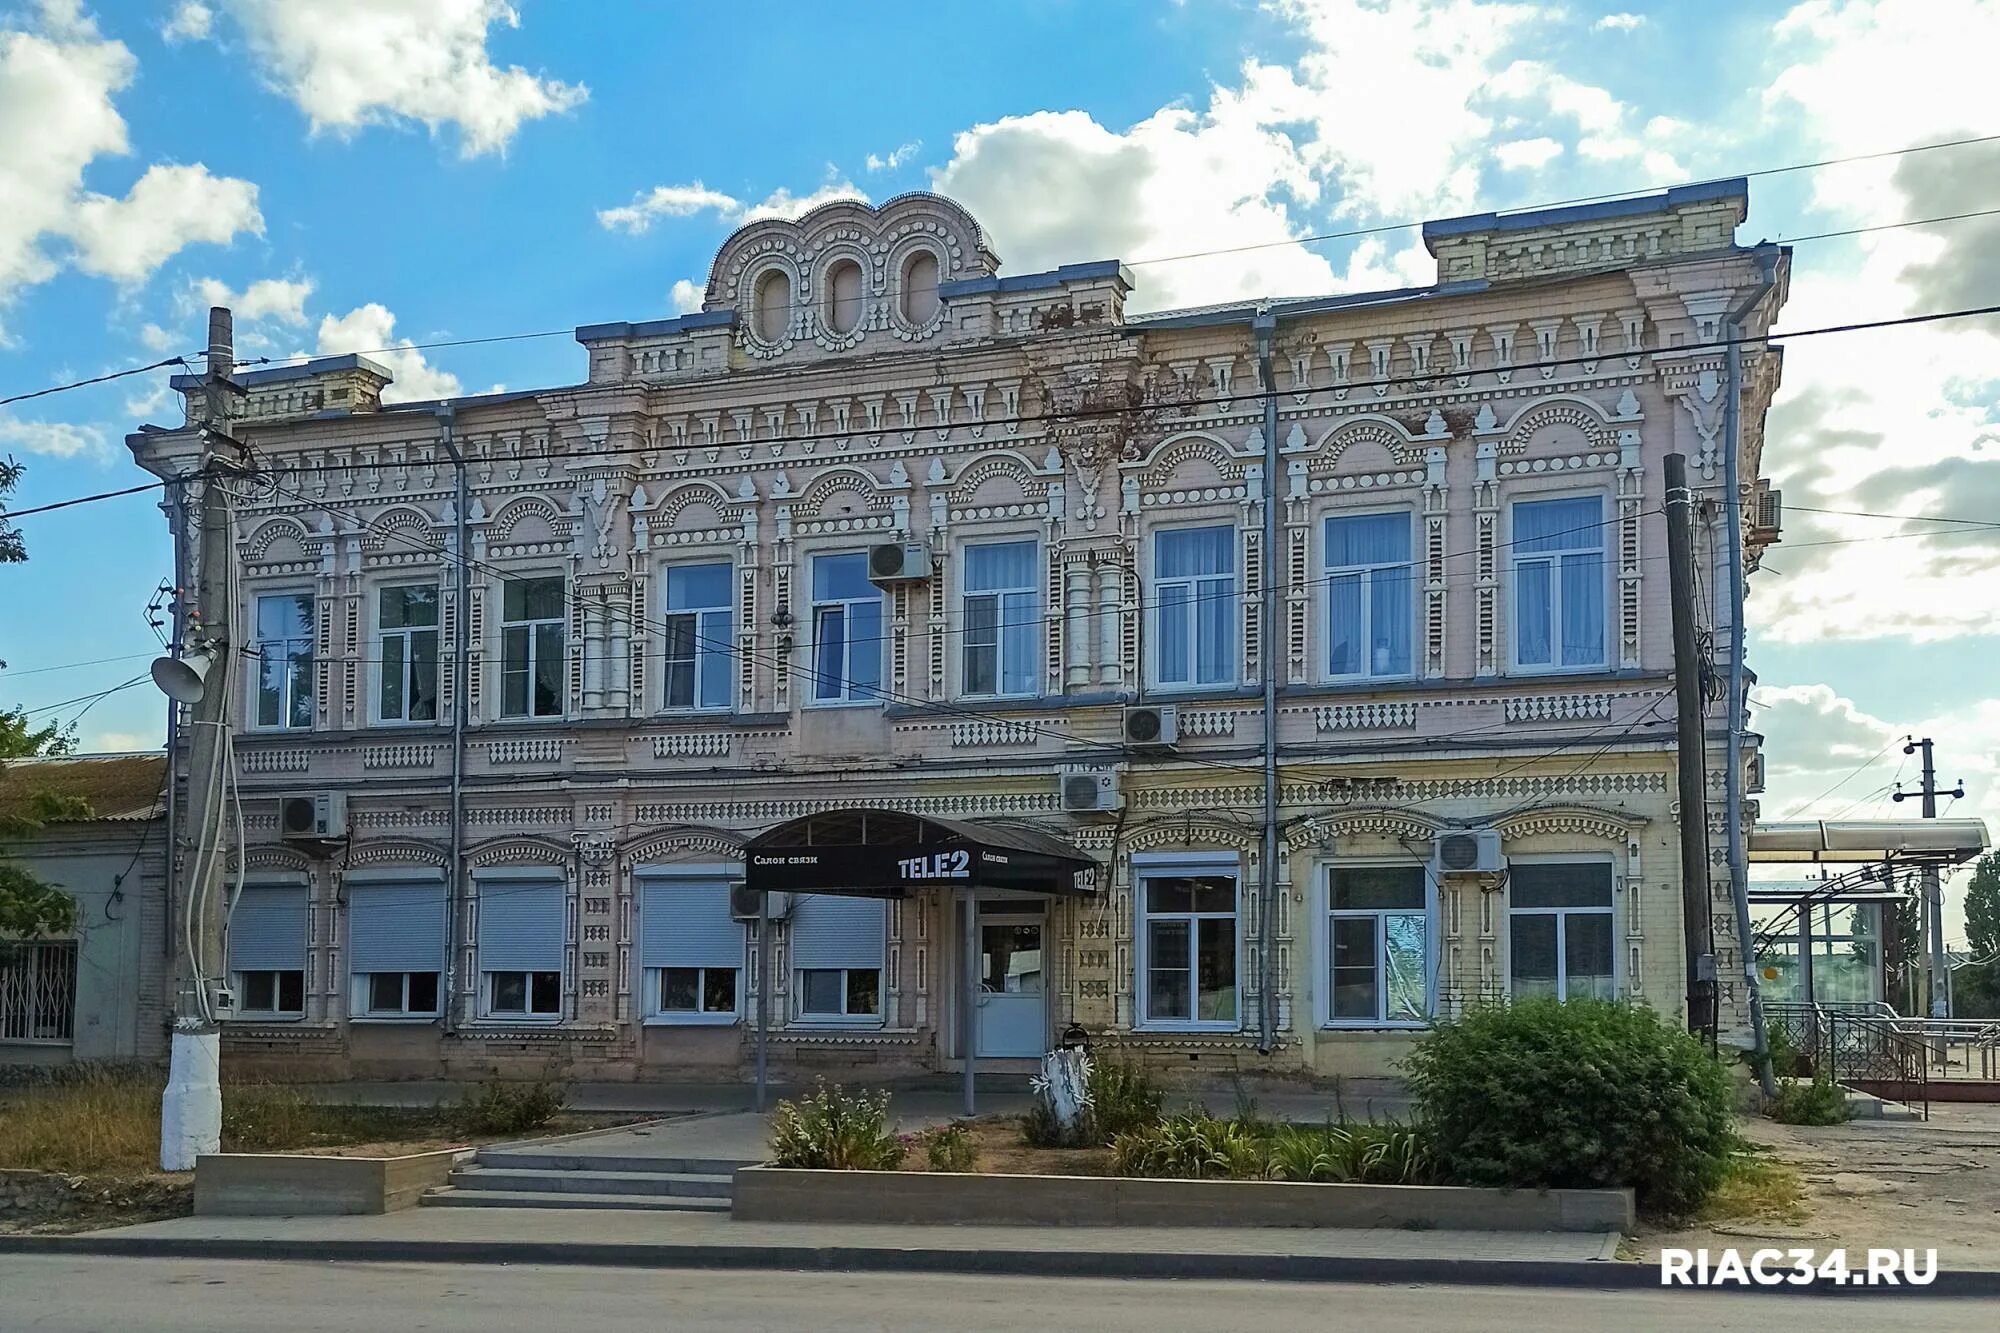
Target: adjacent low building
x,y
880,529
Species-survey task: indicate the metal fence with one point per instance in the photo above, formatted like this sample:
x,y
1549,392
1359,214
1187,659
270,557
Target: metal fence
x,y
38,991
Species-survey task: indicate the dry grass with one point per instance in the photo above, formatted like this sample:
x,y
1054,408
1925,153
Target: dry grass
x,y
998,1150
107,1124
1759,1188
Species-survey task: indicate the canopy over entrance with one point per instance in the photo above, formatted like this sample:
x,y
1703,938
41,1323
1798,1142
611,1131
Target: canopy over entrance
x,y
890,853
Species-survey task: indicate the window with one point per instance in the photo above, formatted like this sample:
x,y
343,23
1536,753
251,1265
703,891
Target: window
x,y
837,952
1187,949
521,946
406,623
285,660
920,287
267,951
772,312
1559,586
847,630
1194,590
1559,938
1370,609
1378,945
1001,641
395,947
843,296
697,667
532,677
691,946
37,990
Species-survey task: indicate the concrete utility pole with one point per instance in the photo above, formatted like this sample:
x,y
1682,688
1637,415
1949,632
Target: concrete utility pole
x,y
1933,901
191,1108
1691,756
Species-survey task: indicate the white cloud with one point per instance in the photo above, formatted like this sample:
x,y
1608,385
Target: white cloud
x,y
190,22
371,328
150,403
168,209
280,299
895,158
686,201
58,439
156,339
120,742
687,296
1619,23
59,78
1527,154
349,64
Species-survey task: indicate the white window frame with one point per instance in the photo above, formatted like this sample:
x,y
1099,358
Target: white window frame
x,y
380,658
1326,915
361,1000
1553,559
656,1012
561,622
1234,664
243,1012
708,643
1329,572
1037,642
873,696
526,1015
1170,866
1562,924
845,1017
256,676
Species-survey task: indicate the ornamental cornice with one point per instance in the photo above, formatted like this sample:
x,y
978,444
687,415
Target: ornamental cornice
x,y
395,851
520,850
1384,820
692,838
1190,831
1579,820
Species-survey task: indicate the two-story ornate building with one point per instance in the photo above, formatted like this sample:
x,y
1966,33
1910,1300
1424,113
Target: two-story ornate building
x,y
879,527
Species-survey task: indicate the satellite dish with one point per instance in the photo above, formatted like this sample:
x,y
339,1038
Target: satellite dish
x,y
183,679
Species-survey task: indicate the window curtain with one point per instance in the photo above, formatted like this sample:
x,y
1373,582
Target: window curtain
x,y
1001,609
1377,644
1559,554
1196,621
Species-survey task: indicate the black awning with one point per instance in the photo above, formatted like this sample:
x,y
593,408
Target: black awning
x,y
889,853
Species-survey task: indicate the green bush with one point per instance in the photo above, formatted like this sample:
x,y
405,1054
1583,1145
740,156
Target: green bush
x,y
1357,1153
1818,1102
1189,1147
948,1147
1543,1094
500,1108
831,1131
1123,1097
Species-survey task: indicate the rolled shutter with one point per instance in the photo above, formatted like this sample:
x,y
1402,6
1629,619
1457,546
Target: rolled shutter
x,y
267,931
520,926
833,931
396,927
686,923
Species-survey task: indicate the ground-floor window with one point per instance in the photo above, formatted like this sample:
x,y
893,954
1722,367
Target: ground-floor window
x,y
521,994
399,994
267,951
38,991
691,944
1560,939
280,991
1188,947
1378,945
708,991
840,992
837,954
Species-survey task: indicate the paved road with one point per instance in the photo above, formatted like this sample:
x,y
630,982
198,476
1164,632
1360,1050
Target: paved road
x,y
72,1295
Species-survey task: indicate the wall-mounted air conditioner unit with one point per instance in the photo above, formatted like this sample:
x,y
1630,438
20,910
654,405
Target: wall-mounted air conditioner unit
x,y
1090,790
315,817
899,562
1467,852
1152,725
743,904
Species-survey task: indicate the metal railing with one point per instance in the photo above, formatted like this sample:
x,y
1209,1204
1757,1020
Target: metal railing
x,y
1869,1052
37,990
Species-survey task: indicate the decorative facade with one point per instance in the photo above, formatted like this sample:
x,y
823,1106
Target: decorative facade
x,y
659,607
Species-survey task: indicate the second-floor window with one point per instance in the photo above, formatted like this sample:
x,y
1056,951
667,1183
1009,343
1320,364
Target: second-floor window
x,y
406,623
1559,584
532,675
1000,639
696,670
285,660
1194,591
1368,598
847,630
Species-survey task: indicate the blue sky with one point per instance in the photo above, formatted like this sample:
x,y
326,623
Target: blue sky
x,y
354,173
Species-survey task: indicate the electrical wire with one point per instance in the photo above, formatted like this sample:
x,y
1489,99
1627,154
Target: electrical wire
x,y
1854,773
95,379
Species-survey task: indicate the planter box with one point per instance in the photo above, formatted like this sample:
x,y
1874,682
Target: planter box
x,y
776,1194
305,1185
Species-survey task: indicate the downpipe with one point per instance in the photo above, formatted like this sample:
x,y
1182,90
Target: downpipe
x,y
1265,328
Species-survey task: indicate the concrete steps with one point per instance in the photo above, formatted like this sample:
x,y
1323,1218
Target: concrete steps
x,y
530,1179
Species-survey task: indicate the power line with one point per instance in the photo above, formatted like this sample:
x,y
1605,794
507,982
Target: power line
x,y
10,515
95,379
71,666
1870,762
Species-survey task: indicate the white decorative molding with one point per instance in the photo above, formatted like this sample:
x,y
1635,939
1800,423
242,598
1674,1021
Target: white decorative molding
x,y
1364,717
525,750
1209,722
414,755
984,732
1555,707
275,761
692,745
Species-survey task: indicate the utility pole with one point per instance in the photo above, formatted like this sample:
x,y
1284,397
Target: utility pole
x,y
1690,756
1933,901
191,1108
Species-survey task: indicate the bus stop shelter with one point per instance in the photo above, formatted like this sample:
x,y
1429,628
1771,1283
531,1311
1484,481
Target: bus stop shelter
x,y
879,853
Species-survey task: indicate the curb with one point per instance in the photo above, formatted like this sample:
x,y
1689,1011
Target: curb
x,y
1587,1275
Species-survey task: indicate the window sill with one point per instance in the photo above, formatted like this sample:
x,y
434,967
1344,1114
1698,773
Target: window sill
x,y
1518,671
1174,1026
503,1018
525,719
691,1020
395,1020
838,1021
1372,1027
257,1016
815,705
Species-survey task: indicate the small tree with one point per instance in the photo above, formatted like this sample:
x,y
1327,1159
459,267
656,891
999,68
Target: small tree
x,y
1976,986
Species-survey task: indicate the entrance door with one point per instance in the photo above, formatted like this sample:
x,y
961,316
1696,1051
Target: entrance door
x,y
1012,1018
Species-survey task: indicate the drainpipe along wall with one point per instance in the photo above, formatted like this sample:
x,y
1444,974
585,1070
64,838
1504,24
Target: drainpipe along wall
x,y
1265,327
461,694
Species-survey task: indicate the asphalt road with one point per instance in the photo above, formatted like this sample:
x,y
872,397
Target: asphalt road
x,y
71,1295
